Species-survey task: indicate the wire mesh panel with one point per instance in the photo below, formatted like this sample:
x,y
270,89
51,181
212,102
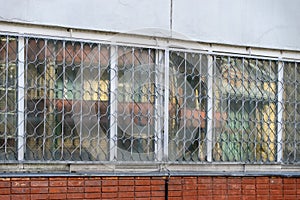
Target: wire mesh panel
x,y
8,97
138,92
245,103
87,101
66,100
291,114
187,105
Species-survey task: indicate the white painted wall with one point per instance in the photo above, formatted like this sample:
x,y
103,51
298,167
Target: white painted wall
x,y
258,23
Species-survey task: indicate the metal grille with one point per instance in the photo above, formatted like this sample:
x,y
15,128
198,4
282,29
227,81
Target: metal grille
x,y
8,97
88,101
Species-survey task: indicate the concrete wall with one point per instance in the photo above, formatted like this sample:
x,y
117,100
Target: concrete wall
x,y
259,23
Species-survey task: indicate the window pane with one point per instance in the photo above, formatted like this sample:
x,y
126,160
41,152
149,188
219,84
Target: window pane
x,y
136,100
187,106
291,114
245,110
67,99
8,97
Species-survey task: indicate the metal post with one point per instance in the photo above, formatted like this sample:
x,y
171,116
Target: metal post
x,y
166,107
209,116
280,71
159,71
113,102
21,99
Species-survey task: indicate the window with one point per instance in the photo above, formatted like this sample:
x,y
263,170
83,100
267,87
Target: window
x,y
82,101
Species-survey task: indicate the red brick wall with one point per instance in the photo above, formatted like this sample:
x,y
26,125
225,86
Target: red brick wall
x,y
150,188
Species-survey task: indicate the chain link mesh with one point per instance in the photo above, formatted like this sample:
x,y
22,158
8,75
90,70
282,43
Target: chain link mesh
x,y
88,101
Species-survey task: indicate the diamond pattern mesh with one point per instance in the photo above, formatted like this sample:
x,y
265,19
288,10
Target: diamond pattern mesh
x,y
88,101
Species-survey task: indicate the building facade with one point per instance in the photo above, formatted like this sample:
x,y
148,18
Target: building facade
x,y
135,100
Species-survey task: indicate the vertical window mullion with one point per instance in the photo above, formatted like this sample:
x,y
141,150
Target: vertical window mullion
x,y
113,103
166,106
209,116
280,83
158,102
21,99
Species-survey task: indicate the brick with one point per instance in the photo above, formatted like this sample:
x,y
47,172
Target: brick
x,y
20,197
219,186
219,180
57,190
191,197
290,197
4,197
39,196
76,183
175,181
126,194
92,189
190,180
248,197
142,181
41,190
175,193
109,195
142,194
20,190
75,190
20,184
189,193
157,187
157,193
58,183
289,181
289,192
109,182
205,187
57,196
205,192
39,183
219,192
58,179
75,196
4,184
92,195
262,191
4,191
205,180
249,192
276,197
92,182
275,180
110,189
262,180
219,197
127,182
234,197
233,186
248,187
190,186
175,187
142,188
248,180
157,181
126,188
